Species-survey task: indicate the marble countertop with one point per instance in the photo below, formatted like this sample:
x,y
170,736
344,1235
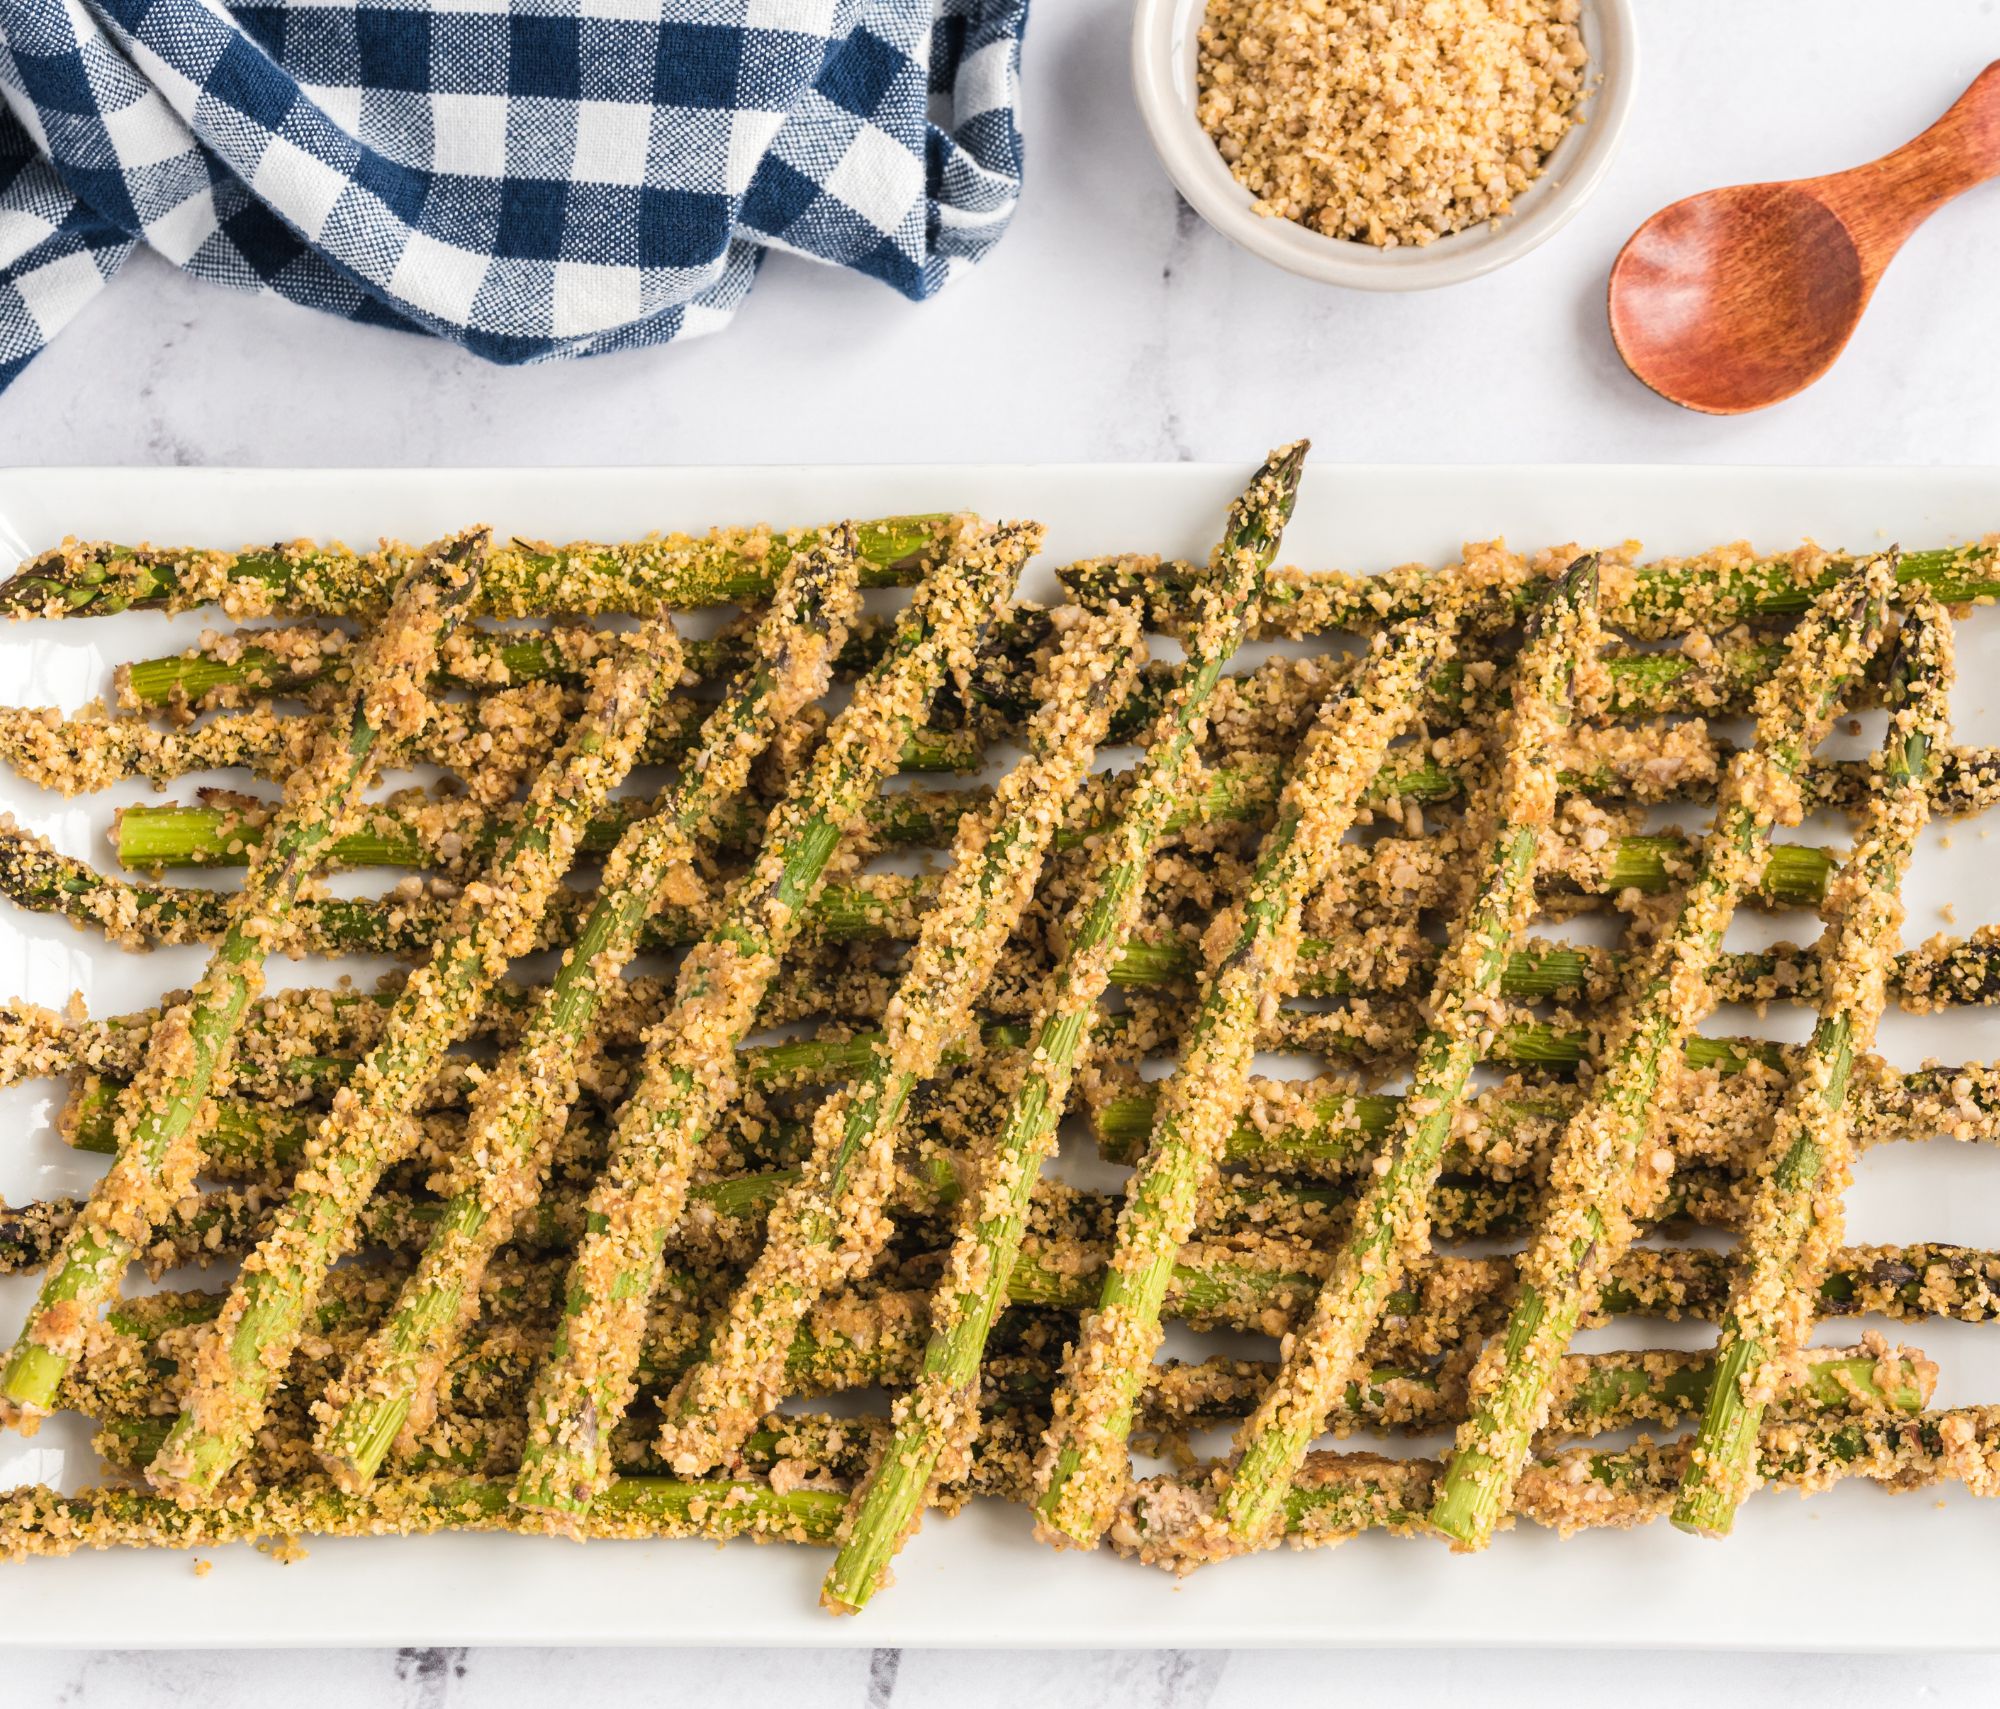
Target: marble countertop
x,y
1110,325
973,1679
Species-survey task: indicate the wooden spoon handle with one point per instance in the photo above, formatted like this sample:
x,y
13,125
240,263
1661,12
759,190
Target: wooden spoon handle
x,y
1886,200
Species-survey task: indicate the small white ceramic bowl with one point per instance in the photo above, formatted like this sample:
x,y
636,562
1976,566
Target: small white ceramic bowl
x,y
1164,51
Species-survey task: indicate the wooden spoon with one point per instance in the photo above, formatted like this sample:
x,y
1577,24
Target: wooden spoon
x,y
1737,298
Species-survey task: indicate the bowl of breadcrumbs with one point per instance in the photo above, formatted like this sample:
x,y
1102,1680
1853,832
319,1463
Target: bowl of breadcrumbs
x,y
1392,145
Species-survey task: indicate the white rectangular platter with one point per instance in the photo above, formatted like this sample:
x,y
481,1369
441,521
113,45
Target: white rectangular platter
x,y
1854,1568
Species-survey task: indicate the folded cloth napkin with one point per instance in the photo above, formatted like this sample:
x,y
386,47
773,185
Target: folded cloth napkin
x,y
530,178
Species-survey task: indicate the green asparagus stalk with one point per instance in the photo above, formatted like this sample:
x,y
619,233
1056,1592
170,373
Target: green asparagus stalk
x,y
831,1222
247,665
490,746
851,1342
1391,1223
38,1521
798,1063
1330,1135
35,876
1214,1285
1712,592
1600,1168
369,1128
1084,1466
877,1341
1340,1495
587,1382
1796,1219
525,578
728,1230
935,1421
389,1387
160,1118
299,1045
417,830
1601,1393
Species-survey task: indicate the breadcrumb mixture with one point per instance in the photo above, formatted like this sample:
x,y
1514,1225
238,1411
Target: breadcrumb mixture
x,y
1390,121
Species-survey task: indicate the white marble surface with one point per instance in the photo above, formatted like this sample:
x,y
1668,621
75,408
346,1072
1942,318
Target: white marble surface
x,y
926,1679
1110,325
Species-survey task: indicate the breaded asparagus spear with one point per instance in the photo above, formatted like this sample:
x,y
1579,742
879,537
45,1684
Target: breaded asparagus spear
x,y
1602,1166
935,1421
1253,950
1670,596
1337,1496
1329,1136
835,1218
1392,1221
489,745
240,667
414,829
161,1114
586,1384
519,1112
298,1044
369,1128
525,578
406,923
1796,1218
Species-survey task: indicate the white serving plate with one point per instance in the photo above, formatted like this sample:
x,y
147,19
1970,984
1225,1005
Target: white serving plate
x,y
1852,1569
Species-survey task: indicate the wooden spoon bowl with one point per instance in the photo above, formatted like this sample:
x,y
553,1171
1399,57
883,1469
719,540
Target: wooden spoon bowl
x,y
1737,298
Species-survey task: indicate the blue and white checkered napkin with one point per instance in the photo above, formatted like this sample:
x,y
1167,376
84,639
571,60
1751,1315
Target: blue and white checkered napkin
x,y
531,178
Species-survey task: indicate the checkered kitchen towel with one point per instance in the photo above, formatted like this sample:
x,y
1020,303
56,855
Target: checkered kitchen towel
x,y
531,178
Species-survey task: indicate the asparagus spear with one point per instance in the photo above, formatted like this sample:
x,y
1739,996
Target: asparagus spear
x,y
247,665
1711,593
1671,596
586,1383
1391,1222
489,745
524,578
727,1224
35,876
1331,1133
935,1421
518,1113
1265,1286
417,830
1964,1108
861,1342
299,1044
1252,961
160,1118
1796,1219
832,1221
39,1521
1337,1495
369,1128
1599,1169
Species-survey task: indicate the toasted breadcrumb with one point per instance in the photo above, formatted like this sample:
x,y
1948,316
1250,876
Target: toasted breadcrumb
x,y
1390,121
